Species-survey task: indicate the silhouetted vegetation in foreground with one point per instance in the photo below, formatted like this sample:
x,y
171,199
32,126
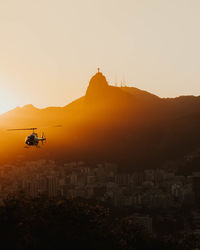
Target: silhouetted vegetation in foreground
x,y
71,224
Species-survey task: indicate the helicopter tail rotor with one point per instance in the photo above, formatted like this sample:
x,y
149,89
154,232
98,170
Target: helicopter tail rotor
x,y
43,138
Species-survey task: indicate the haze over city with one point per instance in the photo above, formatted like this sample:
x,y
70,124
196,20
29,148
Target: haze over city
x,y
100,124
49,49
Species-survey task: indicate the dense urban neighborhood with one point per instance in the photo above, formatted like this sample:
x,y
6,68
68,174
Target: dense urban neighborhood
x,y
149,197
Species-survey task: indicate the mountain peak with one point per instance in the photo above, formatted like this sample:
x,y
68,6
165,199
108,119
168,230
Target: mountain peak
x,y
97,85
29,106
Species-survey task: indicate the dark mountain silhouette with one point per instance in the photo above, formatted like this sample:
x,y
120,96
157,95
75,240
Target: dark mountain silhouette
x,y
125,125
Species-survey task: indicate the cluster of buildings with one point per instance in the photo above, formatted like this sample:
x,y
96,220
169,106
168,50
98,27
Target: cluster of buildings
x,y
154,188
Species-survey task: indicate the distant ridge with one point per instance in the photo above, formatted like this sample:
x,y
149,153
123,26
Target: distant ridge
x,y
123,124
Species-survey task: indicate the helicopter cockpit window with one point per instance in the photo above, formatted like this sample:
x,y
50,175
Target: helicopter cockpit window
x,y
31,137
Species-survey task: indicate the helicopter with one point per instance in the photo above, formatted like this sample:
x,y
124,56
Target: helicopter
x,y
32,139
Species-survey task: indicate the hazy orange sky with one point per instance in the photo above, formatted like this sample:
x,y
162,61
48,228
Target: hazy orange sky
x,y
49,49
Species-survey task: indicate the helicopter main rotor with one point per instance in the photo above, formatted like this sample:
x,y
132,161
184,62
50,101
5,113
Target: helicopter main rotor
x,y
22,129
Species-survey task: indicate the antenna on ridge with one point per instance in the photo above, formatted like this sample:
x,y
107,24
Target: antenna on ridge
x,y
123,82
116,84
125,85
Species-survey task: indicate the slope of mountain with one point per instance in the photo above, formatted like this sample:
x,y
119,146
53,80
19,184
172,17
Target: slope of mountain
x,y
126,125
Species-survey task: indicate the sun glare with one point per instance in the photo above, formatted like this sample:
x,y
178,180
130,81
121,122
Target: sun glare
x,y
5,103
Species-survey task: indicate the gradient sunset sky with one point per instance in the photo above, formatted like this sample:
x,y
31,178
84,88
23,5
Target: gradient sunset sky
x,y
49,49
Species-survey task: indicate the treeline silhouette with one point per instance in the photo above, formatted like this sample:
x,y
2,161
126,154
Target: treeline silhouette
x,y
30,224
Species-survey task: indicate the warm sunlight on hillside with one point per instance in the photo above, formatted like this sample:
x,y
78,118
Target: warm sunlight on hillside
x,y
99,124
108,123
54,46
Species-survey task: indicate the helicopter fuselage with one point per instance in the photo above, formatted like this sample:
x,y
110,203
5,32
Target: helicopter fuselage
x,y
33,139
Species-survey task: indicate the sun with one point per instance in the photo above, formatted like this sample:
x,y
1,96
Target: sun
x,y
4,108
5,103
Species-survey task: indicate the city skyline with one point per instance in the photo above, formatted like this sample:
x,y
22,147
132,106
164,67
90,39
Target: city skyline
x,y
100,124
